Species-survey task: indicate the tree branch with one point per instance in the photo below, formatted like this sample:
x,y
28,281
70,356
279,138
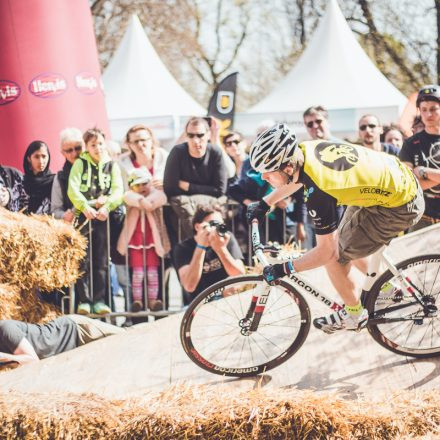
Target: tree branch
x,y
379,41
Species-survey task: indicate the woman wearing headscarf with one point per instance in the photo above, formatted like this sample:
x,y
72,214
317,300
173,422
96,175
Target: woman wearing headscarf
x,y
38,178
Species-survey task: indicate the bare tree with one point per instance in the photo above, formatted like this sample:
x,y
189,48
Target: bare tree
x,y
202,41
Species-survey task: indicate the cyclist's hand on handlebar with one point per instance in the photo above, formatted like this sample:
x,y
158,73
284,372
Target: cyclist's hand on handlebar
x,y
257,211
273,273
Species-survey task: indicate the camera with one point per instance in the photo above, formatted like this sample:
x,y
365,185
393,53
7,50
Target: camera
x,y
220,228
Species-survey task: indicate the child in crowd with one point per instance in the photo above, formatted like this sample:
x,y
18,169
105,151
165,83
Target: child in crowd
x,y
145,236
95,189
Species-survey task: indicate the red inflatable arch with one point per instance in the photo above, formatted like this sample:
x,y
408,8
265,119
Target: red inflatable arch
x,y
49,75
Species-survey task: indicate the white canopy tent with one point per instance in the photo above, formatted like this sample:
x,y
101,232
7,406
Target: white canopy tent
x,y
334,71
140,89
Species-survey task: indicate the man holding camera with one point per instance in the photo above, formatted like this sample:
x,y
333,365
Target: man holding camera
x,y
211,255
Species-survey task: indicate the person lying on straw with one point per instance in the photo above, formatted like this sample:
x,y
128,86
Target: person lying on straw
x,y
22,343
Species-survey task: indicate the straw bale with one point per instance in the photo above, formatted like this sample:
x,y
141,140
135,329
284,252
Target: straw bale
x,y
219,413
25,306
38,251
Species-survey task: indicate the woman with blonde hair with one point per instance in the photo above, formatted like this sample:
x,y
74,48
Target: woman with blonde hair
x,y
144,151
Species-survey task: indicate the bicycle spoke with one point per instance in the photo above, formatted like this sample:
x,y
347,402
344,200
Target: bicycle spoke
x,y
250,349
219,351
210,342
433,283
279,320
214,305
261,349
210,318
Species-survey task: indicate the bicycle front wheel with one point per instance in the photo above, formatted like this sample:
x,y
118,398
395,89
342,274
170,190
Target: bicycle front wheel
x,y
212,331
398,321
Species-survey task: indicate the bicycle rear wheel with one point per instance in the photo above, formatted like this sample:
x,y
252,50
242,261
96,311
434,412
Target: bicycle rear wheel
x,y
212,337
398,321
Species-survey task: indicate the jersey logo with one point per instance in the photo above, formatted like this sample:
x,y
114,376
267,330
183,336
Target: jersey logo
x,y
339,157
434,154
312,213
308,192
434,161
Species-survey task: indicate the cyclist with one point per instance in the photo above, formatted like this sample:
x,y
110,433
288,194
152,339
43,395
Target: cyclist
x,y
382,197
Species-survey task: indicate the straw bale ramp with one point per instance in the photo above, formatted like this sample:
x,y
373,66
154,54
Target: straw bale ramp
x,y
150,358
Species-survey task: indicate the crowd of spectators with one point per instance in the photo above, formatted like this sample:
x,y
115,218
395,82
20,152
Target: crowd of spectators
x,y
144,204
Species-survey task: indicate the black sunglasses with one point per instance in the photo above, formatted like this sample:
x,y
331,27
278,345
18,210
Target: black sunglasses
x,y
317,121
234,141
364,126
193,135
77,149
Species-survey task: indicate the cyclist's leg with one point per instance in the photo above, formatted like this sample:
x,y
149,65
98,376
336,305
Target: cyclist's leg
x,y
363,231
341,276
362,264
355,243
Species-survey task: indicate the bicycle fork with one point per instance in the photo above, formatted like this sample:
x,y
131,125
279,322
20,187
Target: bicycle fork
x,y
253,316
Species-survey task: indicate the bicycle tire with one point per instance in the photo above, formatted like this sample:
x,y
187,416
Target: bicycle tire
x,y
416,335
211,335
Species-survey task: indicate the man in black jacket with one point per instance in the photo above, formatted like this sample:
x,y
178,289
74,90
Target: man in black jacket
x,y
195,173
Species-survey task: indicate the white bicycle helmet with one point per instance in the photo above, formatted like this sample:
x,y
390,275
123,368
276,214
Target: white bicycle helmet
x,y
273,148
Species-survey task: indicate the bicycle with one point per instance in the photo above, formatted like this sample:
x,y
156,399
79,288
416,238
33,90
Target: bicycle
x,y
242,326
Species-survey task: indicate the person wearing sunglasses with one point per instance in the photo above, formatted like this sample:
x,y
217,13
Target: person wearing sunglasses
x,y
195,173
421,152
370,131
317,124
72,145
235,148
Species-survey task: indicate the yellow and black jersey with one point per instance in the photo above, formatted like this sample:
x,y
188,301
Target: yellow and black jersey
x,y
345,174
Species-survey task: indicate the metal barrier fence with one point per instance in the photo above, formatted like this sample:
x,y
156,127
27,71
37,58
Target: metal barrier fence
x,y
123,272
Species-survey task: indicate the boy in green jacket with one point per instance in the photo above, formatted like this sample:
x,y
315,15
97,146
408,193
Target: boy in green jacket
x,y
95,189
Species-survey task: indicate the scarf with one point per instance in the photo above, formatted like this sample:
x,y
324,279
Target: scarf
x,y
37,186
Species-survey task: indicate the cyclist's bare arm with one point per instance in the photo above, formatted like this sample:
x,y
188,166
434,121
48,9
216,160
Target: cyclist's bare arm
x,y
326,250
281,193
433,176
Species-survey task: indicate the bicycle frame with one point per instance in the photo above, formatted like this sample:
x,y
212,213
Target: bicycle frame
x,y
259,299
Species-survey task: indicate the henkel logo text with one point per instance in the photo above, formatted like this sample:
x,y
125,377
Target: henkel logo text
x,y
9,91
48,85
86,83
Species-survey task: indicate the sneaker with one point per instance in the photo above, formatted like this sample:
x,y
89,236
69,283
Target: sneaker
x,y
101,309
155,305
341,320
83,309
137,306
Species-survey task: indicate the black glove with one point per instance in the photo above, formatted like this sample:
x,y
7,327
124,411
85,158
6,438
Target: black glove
x,y
257,210
273,273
